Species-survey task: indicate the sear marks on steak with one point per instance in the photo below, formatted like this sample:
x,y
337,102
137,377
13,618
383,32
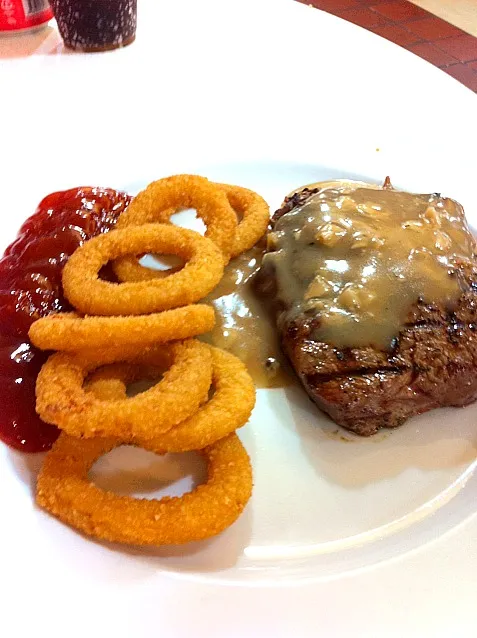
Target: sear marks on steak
x,y
430,362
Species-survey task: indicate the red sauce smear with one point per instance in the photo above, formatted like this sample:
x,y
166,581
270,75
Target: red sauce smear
x,y
30,288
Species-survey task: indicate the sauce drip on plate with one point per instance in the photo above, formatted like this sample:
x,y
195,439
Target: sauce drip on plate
x,y
243,326
30,288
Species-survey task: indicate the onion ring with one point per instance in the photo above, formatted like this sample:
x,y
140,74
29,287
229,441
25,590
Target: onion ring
x,y
162,198
70,332
110,382
251,208
90,295
254,213
64,489
228,409
62,400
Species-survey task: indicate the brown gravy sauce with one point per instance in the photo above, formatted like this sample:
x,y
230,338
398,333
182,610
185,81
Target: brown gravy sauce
x,y
243,326
359,256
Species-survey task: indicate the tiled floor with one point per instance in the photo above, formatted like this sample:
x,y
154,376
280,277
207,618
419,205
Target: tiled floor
x,y
413,28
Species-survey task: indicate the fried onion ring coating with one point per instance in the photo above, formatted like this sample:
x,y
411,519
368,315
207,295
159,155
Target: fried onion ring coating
x,y
228,409
62,400
64,489
162,198
252,210
254,214
89,294
70,332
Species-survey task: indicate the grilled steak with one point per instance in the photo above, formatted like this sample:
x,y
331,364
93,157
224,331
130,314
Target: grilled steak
x,y
374,347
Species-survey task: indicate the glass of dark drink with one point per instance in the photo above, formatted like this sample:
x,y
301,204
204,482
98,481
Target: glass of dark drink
x,y
96,25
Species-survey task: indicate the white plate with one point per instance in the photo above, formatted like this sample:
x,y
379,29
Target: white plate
x,y
365,538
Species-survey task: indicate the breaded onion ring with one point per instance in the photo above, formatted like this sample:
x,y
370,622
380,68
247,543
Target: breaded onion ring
x,y
162,198
64,489
108,383
251,209
69,331
254,215
228,409
89,294
62,400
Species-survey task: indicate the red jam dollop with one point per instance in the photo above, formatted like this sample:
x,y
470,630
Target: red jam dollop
x,y
30,288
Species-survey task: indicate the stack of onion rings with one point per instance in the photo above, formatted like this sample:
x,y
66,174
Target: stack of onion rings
x,y
143,328
62,400
251,209
227,410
